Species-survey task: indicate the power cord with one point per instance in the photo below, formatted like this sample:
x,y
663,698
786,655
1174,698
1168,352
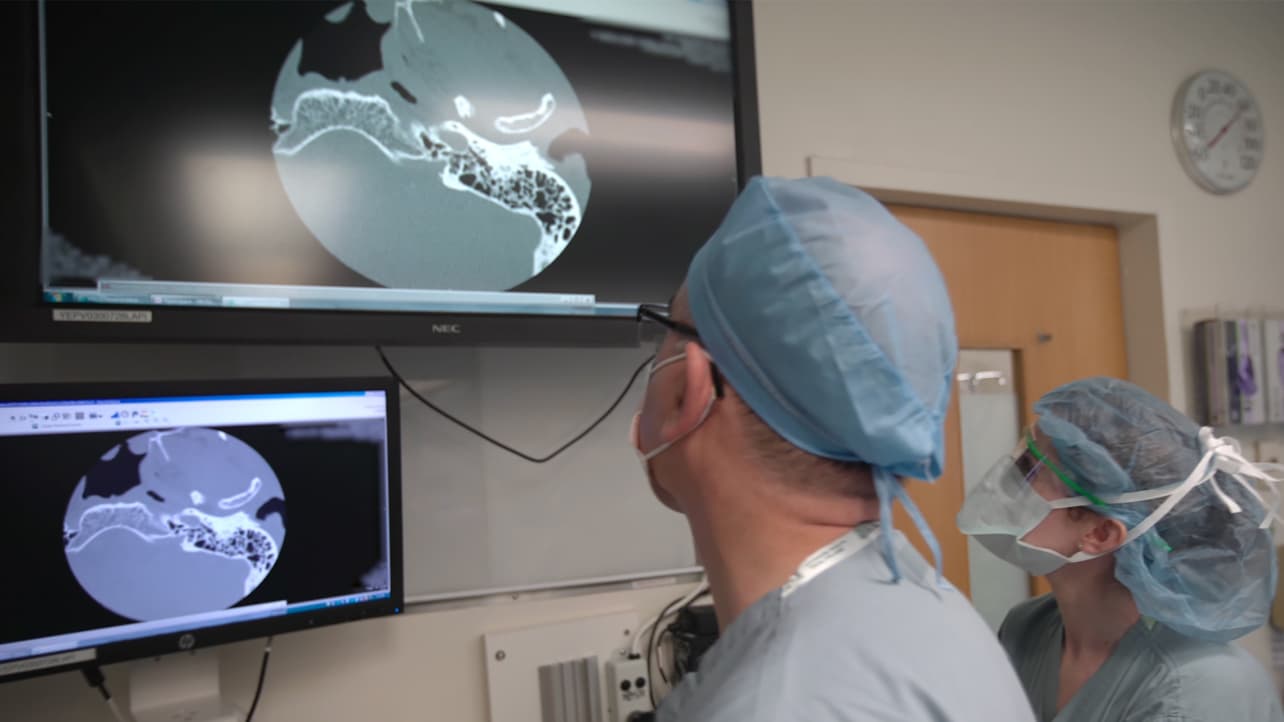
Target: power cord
x,y
672,607
694,594
690,635
650,650
673,644
483,436
258,691
94,676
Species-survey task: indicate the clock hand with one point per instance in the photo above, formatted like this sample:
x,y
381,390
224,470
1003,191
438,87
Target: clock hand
x,y
1225,128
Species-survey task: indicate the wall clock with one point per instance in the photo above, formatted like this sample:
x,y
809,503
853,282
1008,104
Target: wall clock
x,y
1217,130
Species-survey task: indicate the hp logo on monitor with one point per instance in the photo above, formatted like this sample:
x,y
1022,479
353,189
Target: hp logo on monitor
x,y
187,641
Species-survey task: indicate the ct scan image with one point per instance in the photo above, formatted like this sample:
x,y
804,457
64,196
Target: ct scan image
x,y
174,522
414,140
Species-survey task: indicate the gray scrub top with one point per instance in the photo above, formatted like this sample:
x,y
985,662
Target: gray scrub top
x,y
1154,674
852,645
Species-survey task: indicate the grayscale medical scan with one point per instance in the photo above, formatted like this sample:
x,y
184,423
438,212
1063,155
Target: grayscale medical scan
x,y
642,361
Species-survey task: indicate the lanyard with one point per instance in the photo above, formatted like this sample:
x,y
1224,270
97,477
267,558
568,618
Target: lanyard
x,y
829,555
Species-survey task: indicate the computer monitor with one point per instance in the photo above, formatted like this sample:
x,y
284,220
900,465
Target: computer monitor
x,y
365,171
146,518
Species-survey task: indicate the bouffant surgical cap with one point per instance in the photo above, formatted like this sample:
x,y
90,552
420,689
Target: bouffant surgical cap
x,y
831,320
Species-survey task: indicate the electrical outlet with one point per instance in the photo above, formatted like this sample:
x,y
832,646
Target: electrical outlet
x,y
627,689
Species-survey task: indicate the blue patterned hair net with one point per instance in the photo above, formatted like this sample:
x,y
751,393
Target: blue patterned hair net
x,y
1202,570
831,320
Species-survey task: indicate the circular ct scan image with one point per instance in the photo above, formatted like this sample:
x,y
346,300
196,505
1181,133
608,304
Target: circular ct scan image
x,y
415,139
175,522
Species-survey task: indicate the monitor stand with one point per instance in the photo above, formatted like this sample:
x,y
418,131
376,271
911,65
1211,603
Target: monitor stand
x,y
182,686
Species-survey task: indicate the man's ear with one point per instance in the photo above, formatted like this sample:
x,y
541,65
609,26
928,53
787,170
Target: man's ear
x,y
1104,536
698,388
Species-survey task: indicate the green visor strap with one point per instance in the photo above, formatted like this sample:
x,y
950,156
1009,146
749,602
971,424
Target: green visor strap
x,y
1064,477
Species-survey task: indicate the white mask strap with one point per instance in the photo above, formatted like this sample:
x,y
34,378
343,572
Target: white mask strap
x,y
1229,460
708,409
1220,454
657,365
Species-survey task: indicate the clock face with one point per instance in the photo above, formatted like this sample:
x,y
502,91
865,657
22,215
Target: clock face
x,y
1217,128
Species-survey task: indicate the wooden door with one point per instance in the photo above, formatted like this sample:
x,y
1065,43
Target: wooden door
x,y
1046,290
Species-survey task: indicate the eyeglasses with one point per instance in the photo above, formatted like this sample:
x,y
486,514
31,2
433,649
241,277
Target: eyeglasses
x,y
652,318
650,313
1031,460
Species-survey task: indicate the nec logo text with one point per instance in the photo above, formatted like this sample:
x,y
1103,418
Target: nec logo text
x,y
451,328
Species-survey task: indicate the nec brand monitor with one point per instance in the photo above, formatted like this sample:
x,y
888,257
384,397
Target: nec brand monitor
x,y
368,170
148,518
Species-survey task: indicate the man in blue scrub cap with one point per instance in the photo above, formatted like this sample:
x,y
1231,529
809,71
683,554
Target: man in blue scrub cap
x,y
805,369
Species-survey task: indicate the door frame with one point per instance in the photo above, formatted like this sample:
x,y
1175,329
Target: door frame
x,y
1137,218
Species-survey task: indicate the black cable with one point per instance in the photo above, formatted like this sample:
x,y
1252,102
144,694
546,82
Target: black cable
x,y
258,691
671,631
478,433
650,648
690,639
94,676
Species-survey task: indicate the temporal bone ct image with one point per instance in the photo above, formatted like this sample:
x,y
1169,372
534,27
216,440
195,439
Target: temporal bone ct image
x,y
521,146
194,511
444,124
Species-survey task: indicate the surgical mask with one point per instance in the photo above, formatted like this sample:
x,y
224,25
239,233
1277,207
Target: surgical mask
x,y
1004,508
645,457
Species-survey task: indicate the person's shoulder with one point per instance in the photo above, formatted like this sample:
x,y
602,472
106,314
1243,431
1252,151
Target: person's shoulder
x,y
907,649
734,694
1221,664
1034,613
863,588
1216,681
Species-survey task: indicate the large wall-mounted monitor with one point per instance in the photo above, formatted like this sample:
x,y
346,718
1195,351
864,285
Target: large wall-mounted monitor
x,y
147,518
364,171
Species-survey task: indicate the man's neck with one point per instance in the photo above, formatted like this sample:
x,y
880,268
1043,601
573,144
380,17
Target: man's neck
x,y
754,547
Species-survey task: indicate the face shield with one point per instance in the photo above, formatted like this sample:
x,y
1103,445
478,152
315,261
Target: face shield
x,y
1007,505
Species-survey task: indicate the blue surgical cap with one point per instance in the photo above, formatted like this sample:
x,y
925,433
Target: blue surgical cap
x,y
831,320
1202,570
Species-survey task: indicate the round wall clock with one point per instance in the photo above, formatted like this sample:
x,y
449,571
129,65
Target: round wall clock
x,y
1217,129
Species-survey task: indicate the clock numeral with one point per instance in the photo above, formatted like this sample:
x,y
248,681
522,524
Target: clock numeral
x,y
1199,153
1248,162
1252,143
1244,104
1230,89
1203,94
1251,125
1192,112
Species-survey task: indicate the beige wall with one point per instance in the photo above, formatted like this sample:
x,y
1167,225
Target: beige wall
x,y
1070,99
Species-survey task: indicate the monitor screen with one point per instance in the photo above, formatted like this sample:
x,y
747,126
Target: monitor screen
x,y
159,517
523,157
